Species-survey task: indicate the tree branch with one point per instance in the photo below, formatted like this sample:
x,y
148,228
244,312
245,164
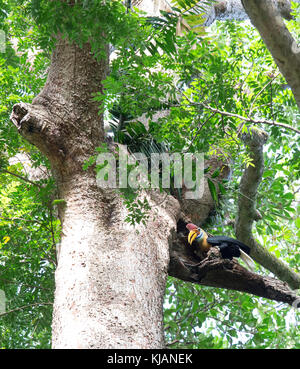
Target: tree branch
x,y
251,120
247,213
242,118
266,17
214,271
20,177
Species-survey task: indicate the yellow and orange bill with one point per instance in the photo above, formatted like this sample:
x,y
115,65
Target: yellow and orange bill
x,y
192,235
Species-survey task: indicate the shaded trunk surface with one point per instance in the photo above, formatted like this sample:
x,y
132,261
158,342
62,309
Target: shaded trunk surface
x,y
110,278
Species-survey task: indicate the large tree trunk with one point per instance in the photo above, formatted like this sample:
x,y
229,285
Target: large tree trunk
x,y
110,278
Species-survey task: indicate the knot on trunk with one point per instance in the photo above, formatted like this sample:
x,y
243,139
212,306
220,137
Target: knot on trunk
x,y
34,124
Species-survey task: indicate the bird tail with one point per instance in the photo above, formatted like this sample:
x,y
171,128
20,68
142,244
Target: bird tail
x,y
248,261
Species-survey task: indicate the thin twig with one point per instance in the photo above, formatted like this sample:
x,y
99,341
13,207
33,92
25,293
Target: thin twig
x,y
265,86
20,177
198,131
250,120
24,220
172,343
245,119
25,307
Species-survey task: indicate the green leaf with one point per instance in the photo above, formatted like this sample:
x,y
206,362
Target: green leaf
x,y
59,202
216,173
212,189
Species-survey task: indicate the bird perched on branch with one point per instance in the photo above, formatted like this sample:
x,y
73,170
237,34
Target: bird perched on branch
x,y
229,247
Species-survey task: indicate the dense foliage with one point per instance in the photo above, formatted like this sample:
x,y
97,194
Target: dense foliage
x,y
226,67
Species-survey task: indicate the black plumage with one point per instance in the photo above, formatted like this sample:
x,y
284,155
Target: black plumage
x,y
229,247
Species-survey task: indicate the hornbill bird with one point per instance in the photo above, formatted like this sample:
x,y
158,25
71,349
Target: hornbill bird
x,y
229,247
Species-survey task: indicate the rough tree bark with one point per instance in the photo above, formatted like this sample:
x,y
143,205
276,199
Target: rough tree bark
x,y
266,17
110,278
